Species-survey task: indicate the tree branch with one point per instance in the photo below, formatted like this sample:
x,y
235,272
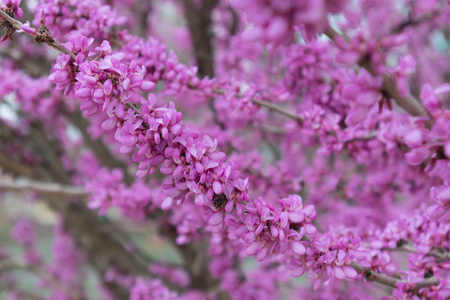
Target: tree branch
x,y
52,43
277,109
422,19
40,187
200,25
371,275
439,255
389,89
384,279
14,167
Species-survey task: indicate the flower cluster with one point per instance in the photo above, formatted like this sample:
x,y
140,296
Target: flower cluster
x,y
163,65
364,93
441,209
77,17
107,189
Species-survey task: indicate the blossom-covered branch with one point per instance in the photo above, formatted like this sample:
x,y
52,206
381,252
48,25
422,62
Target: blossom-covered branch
x,y
41,35
355,162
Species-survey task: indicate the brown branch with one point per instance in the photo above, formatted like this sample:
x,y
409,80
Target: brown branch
x,y
45,188
8,264
371,275
263,103
199,19
390,281
271,129
143,9
428,16
52,43
389,89
367,137
234,26
408,102
277,109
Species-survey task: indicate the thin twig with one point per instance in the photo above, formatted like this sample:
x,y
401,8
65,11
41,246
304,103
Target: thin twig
x,y
271,129
440,255
277,109
422,19
384,279
267,104
42,188
53,43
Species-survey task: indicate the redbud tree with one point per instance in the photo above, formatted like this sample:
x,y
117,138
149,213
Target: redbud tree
x,y
225,149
